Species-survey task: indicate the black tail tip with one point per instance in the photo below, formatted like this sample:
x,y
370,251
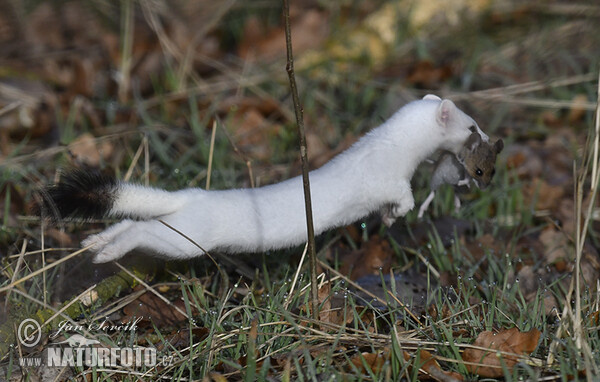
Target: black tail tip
x,y
81,193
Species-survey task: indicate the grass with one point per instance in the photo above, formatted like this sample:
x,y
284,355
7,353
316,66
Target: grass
x,y
255,325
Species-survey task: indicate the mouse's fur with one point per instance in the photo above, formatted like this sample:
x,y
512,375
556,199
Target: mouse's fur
x,y
374,172
475,162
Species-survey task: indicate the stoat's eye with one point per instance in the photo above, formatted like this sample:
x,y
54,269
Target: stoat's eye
x,y
472,128
493,172
478,172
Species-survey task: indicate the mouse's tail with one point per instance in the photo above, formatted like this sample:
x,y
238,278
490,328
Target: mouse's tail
x,y
88,194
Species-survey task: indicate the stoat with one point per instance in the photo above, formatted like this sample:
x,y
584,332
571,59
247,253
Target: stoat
x,y
475,162
374,172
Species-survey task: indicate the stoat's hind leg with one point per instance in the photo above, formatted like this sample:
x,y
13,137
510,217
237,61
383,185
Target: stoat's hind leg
x,y
151,236
100,240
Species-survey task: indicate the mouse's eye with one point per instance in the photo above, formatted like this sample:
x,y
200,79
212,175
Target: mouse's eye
x,y
478,172
493,172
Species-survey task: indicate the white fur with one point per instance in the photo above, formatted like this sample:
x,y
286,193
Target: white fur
x,y
374,172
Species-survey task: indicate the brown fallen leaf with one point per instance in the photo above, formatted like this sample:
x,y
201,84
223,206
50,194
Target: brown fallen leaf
x,y
374,257
311,28
373,361
85,149
429,366
181,338
426,75
578,110
544,194
524,161
252,133
488,363
556,246
152,308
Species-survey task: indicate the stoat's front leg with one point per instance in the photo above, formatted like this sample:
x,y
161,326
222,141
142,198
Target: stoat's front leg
x,y
400,207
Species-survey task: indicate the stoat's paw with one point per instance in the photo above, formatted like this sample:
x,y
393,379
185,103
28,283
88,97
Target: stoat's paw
x,y
387,215
400,209
388,220
108,253
95,242
104,245
105,251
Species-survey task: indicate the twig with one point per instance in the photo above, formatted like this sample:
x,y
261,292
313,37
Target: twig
x,y
211,153
134,161
127,32
225,286
312,255
44,269
241,154
572,320
291,292
596,142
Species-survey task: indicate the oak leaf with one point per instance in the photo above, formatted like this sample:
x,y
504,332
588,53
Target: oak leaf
x,y
429,366
488,363
373,361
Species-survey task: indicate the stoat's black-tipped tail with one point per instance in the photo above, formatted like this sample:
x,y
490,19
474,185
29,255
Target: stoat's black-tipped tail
x,y
83,193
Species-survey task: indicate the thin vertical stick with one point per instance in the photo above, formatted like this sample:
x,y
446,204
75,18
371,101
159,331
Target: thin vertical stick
x,y
43,233
146,160
312,256
127,33
211,154
596,141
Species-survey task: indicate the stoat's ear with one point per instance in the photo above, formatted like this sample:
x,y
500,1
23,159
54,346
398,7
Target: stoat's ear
x,y
445,111
498,146
432,97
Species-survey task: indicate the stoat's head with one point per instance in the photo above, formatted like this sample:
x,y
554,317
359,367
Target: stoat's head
x,y
454,125
479,159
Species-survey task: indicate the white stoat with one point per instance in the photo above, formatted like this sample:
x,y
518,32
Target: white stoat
x,y
374,172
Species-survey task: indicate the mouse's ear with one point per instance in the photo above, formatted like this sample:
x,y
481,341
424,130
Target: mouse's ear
x,y
445,112
432,97
498,146
473,141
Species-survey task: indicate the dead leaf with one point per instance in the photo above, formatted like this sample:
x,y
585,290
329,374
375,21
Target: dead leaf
x,y
152,308
556,245
578,109
430,366
489,363
524,160
86,150
252,133
373,258
60,236
331,311
483,244
544,194
427,76
310,29
550,118
181,338
373,361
